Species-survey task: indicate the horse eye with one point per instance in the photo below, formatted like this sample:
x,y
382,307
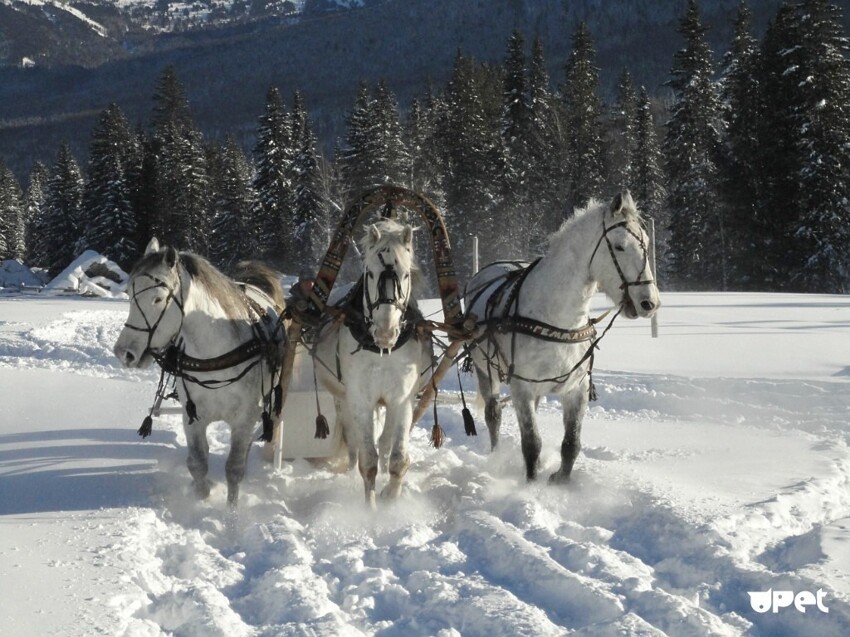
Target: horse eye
x,y
157,300
619,248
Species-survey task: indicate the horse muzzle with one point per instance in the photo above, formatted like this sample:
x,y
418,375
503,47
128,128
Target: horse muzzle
x,y
132,357
644,307
385,338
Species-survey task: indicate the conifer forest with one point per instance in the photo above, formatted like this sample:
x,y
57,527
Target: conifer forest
x,y
742,163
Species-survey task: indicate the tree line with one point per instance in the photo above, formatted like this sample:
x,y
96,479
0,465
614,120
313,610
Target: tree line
x,y
743,165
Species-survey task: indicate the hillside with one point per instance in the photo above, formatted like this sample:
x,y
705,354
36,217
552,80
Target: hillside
x,y
227,67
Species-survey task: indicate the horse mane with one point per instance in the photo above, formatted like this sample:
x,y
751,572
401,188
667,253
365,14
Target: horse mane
x,y
629,212
216,285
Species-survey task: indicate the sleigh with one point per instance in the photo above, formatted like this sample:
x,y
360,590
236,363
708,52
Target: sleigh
x,y
295,434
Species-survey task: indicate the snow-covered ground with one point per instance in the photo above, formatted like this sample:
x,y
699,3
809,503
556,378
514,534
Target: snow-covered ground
x,y
715,463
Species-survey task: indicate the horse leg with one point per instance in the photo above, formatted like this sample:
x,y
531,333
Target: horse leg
x,y
398,422
385,440
489,391
344,422
574,405
364,430
237,459
529,437
197,459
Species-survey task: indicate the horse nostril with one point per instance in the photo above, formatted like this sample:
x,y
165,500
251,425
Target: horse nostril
x,y
647,305
129,357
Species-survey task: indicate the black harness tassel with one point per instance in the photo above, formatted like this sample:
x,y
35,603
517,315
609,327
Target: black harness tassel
x,y
468,421
191,410
268,428
323,429
278,399
147,427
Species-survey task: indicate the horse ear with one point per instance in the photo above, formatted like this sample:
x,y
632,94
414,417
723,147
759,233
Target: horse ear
x,y
153,246
374,234
407,235
628,202
170,257
616,204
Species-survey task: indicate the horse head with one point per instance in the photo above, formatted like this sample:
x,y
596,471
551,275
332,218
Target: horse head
x,y
387,281
156,307
620,260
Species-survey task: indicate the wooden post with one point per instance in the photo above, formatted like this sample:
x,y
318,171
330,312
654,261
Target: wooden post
x,y
475,255
654,319
273,451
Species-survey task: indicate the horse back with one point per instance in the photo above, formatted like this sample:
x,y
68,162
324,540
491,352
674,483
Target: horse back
x,y
263,278
486,281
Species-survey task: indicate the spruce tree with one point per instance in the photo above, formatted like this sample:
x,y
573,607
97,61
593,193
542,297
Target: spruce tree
x,y
11,216
691,148
111,221
746,230
33,207
181,182
273,186
233,201
58,229
821,232
585,150
310,238
623,135
547,163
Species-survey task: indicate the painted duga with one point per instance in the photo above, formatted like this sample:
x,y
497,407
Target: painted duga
x,y
376,359
534,332
222,341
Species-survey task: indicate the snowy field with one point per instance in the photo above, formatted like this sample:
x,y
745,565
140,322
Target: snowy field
x,y
715,463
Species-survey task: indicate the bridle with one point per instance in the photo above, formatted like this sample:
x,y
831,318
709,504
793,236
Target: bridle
x,y
150,328
626,284
389,291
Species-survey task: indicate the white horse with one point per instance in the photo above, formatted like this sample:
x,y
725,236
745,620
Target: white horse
x,y
534,331
376,359
222,341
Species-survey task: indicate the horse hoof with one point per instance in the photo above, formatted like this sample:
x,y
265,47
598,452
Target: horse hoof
x,y
559,478
390,492
202,489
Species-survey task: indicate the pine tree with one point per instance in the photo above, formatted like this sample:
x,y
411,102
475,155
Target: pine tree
x,y
745,229
273,186
11,216
59,227
470,135
822,114
623,135
427,157
232,204
691,148
585,150
111,221
547,163
307,206
375,152
647,178
181,182
33,207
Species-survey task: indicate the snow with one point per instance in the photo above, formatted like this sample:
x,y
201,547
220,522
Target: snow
x,y
90,274
14,274
715,463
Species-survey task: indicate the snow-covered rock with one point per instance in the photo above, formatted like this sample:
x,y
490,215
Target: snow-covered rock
x,y
14,274
90,274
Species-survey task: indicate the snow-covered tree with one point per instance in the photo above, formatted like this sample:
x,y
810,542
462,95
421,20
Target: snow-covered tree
x,y
307,205
109,216
181,182
585,146
623,135
745,227
273,182
232,204
11,216
822,114
58,229
697,252
33,207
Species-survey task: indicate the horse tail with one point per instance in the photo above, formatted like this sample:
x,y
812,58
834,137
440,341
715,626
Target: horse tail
x,y
263,277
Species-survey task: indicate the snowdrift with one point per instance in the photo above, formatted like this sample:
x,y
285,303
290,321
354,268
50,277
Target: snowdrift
x,y
15,275
90,274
